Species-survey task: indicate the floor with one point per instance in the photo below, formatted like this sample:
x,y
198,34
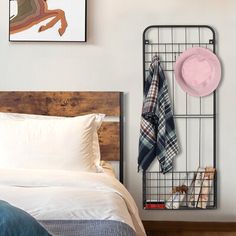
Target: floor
x,y
192,234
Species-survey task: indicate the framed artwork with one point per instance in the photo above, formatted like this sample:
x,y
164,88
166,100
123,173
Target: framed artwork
x,y
47,20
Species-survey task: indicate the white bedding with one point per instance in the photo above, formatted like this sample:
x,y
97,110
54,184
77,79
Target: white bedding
x,y
69,195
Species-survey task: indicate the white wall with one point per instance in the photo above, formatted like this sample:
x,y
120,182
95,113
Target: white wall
x,y
112,60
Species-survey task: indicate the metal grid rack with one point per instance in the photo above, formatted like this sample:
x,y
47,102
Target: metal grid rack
x,y
195,120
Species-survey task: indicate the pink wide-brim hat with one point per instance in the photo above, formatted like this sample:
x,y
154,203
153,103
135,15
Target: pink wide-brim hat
x,y
198,71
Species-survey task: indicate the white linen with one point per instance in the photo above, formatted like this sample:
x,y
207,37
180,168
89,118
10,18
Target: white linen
x,y
96,157
69,195
107,168
44,142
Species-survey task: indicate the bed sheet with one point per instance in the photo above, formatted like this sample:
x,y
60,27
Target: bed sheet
x,y
69,195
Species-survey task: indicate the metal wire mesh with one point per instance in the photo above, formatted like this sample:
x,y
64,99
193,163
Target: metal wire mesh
x,y
195,120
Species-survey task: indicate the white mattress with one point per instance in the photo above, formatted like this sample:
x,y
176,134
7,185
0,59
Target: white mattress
x,y
69,195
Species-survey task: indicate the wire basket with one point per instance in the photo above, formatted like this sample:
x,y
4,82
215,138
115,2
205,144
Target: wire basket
x,y
179,190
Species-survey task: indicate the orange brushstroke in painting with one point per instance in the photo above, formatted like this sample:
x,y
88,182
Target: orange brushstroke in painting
x,y
32,12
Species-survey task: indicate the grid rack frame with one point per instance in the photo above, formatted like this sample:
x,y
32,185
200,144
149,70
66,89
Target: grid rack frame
x,y
172,48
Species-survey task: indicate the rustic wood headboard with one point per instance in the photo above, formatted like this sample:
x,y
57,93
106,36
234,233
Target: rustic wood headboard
x,y
73,104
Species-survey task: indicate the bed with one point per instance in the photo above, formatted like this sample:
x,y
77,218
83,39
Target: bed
x,y
66,196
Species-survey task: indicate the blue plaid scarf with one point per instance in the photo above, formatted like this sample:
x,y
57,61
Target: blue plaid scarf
x,y
157,132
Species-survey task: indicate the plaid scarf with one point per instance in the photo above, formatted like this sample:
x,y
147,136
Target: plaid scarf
x,y
157,132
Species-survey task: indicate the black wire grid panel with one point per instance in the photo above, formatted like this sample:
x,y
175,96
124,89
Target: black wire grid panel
x,y
195,118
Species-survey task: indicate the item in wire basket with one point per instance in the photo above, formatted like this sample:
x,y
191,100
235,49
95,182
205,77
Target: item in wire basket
x,y
174,201
196,188
191,191
180,189
177,196
155,204
206,187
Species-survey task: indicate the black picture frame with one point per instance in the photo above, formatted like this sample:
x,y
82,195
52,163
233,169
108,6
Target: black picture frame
x,y
54,41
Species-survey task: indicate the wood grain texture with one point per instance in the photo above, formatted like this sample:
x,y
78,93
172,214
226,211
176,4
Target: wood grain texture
x,y
109,138
191,233
61,103
72,104
187,228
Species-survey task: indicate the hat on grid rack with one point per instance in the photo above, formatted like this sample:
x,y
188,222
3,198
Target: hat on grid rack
x,y
198,71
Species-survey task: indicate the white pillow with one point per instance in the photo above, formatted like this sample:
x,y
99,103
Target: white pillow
x,y
96,158
45,142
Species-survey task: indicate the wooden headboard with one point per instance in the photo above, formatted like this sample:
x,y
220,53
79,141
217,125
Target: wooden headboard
x,y
73,104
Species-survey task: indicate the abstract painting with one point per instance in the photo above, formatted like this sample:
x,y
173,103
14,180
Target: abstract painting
x,y
47,20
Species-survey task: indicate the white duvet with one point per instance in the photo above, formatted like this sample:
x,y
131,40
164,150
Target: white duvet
x,y
69,195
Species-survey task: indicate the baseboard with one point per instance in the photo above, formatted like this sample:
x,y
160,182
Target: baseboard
x,y
175,226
